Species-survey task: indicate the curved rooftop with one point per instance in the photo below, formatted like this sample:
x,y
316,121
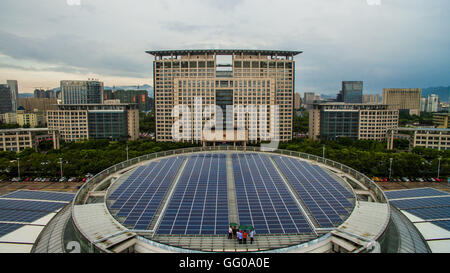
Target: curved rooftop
x,y
184,201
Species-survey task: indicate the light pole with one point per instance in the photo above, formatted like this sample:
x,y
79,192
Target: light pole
x,y
127,152
323,152
439,166
390,168
18,166
60,162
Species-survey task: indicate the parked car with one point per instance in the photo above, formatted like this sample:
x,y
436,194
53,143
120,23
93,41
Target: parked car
x,y
437,179
404,179
419,179
84,179
62,179
376,179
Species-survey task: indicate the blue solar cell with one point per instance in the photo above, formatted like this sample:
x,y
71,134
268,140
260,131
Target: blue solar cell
x,y
30,205
423,192
263,197
139,196
22,216
431,213
8,228
199,204
443,224
325,198
426,202
40,195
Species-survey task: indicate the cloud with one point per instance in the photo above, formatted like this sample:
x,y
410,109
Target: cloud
x,y
397,43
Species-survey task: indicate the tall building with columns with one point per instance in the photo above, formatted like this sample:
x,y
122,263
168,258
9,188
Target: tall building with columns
x,y
250,77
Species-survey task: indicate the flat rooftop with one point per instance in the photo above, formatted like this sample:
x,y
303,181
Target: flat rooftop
x,y
223,52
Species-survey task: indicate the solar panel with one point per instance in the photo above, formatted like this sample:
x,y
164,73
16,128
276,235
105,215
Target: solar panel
x,y
21,216
431,213
443,224
139,197
8,228
325,198
427,202
199,204
263,199
31,205
423,192
40,195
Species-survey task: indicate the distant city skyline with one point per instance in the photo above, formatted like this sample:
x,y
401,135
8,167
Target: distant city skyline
x,y
393,44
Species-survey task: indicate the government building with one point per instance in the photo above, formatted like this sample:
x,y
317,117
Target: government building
x,y
263,78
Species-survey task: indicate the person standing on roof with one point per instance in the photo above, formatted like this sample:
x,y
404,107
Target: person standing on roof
x,y
252,233
239,235
244,237
230,232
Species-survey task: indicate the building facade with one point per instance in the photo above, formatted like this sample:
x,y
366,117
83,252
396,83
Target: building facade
x,y
351,92
6,103
95,121
82,92
438,139
32,120
298,101
139,97
433,103
17,140
254,77
403,99
358,121
14,86
440,120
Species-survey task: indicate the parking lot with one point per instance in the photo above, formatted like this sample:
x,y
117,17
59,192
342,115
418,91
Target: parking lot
x,y
412,185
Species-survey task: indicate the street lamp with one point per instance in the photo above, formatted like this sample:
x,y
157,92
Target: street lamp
x,y
323,152
60,162
127,152
390,168
18,166
439,166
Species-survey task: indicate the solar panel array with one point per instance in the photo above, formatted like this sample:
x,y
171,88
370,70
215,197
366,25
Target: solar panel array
x,y
443,224
199,204
417,203
138,198
430,205
263,199
30,205
325,198
6,228
24,207
40,195
422,192
431,213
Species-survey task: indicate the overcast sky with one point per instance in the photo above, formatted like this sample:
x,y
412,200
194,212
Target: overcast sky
x,y
385,43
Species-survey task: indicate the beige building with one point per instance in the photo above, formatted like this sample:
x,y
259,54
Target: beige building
x,y
438,139
440,120
357,121
9,118
31,119
403,99
252,77
297,103
17,140
95,121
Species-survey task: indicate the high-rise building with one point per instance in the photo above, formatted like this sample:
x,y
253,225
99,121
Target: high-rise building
x,y
14,86
407,99
6,103
140,97
308,100
352,92
297,103
357,121
251,77
82,92
95,121
432,103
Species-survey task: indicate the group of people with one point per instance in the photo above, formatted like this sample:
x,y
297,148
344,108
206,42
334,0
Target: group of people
x,y
241,235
